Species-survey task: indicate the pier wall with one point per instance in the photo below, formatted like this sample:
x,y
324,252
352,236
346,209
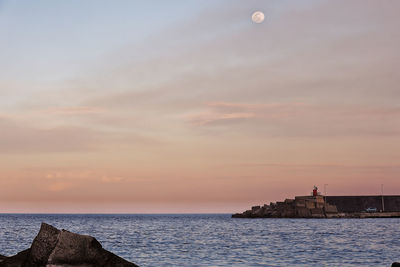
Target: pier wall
x,y
360,203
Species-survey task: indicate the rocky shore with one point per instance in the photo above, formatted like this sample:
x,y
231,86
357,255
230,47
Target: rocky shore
x,y
61,248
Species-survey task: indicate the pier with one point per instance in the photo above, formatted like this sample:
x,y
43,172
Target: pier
x,y
320,206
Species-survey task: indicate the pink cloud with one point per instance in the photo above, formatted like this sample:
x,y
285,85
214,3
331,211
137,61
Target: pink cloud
x,y
58,186
220,112
22,138
216,117
300,119
73,110
111,179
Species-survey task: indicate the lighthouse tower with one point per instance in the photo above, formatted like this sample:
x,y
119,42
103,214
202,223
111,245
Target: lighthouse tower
x,y
315,191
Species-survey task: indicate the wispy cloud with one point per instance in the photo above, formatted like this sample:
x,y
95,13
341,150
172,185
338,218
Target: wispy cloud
x,y
20,136
221,112
210,117
27,139
73,110
300,119
111,179
58,187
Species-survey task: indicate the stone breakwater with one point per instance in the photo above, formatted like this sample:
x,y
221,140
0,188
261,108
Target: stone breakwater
x,y
57,248
309,207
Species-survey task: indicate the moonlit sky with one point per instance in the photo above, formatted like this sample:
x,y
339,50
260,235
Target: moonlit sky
x,y
189,106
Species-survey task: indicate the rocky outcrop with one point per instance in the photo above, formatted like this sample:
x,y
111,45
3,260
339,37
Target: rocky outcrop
x,y
300,207
396,264
53,248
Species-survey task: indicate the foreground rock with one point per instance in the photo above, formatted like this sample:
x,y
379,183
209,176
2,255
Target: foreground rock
x,y
52,248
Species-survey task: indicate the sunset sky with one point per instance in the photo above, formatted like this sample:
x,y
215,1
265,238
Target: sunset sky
x,y
189,106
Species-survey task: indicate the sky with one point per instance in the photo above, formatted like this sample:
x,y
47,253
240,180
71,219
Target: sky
x,y
190,107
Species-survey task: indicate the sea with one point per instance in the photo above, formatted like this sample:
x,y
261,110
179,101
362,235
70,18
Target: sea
x,y
219,240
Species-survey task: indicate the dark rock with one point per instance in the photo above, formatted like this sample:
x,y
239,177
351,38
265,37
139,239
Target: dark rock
x,y
396,264
79,249
53,247
42,245
16,260
254,208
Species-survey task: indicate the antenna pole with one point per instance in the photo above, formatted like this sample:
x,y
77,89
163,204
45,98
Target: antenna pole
x,y
325,196
383,202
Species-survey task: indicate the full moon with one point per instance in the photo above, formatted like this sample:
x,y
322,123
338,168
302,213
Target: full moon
x,y
258,17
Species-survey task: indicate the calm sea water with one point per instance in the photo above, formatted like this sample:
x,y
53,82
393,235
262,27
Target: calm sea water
x,y
218,240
